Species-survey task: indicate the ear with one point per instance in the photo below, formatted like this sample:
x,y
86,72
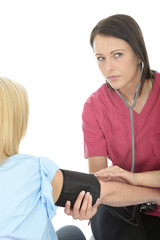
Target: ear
x,y
139,60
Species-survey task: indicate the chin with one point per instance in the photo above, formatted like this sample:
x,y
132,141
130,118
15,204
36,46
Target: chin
x,y
115,86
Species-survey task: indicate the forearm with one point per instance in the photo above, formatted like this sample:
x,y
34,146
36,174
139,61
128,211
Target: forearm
x,y
150,179
97,163
120,194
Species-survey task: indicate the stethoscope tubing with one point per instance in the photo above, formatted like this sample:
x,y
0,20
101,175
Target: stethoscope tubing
x,y
112,211
131,117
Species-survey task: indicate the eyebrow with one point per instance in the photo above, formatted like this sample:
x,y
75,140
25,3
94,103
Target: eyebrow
x,y
120,49
98,54
117,50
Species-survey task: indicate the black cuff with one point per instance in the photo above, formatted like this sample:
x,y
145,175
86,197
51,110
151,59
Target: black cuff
x,y
74,183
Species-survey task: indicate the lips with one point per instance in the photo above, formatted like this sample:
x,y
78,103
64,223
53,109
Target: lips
x,y
113,78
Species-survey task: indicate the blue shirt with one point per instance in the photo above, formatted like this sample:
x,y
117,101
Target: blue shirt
x,y
26,202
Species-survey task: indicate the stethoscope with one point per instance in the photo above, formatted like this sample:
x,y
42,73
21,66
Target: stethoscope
x,y
131,116
132,220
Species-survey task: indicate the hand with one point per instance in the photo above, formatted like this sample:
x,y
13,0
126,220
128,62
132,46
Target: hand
x,y
118,174
84,212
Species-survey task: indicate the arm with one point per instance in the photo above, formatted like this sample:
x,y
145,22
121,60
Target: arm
x,y
81,210
146,179
97,163
121,194
150,179
113,194
57,184
86,211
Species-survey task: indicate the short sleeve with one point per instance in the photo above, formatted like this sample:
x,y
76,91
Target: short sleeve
x,y
48,170
94,139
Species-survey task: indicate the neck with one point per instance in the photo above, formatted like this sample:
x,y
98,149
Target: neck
x,y
129,93
130,96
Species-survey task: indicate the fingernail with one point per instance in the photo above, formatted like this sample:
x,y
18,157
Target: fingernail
x,y
82,193
68,202
87,194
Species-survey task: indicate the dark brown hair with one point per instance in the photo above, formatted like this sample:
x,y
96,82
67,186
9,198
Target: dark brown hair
x,y
125,27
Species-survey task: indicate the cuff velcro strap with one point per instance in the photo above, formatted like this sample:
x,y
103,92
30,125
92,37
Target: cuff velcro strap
x,y
74,183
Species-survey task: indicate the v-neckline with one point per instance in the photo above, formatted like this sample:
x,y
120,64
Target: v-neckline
x,y
146,105
145,108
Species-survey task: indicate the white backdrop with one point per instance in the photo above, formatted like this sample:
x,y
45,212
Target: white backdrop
x,y
44,44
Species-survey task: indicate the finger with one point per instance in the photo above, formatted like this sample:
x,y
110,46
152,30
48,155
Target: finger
x,y
78,201
104,178
77,205
98,202
89,206
67,209
115,171
106,170
85,204
91,210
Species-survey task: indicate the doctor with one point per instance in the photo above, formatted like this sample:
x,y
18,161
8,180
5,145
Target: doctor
x,y
121,123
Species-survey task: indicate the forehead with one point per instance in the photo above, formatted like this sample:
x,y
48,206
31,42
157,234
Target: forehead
x,y
108,44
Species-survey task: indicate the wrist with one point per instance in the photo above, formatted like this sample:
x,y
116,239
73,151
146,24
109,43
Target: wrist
x,y
157,197
137,179
103,192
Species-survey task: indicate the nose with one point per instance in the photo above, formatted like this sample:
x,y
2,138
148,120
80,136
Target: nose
x,y
109,66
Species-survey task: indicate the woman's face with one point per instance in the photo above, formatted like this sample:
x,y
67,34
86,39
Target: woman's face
x,y
117,61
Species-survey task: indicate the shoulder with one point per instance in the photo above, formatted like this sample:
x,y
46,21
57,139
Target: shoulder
x,y
23,160
99,97
32,164
48,167
20,160
157,77
101,92
156,82
100,101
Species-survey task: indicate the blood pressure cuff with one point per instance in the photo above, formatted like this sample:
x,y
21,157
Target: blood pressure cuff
x,y
74,183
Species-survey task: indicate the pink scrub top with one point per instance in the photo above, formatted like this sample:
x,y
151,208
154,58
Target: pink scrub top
x,y
107,129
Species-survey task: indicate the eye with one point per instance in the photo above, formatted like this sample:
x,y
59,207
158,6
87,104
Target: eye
x,y
100,58
117,55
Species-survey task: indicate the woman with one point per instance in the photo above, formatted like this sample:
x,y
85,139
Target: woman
x,y
121,122
30,186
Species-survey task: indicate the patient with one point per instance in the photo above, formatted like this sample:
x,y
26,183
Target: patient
x,y
29,186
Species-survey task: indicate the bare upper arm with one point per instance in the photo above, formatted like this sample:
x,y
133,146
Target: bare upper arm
x,y
57,184
97,163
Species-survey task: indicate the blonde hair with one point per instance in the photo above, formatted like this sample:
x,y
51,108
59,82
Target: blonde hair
x,y
14,111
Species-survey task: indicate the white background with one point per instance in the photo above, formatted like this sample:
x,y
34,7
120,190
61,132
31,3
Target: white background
x,y
44,44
